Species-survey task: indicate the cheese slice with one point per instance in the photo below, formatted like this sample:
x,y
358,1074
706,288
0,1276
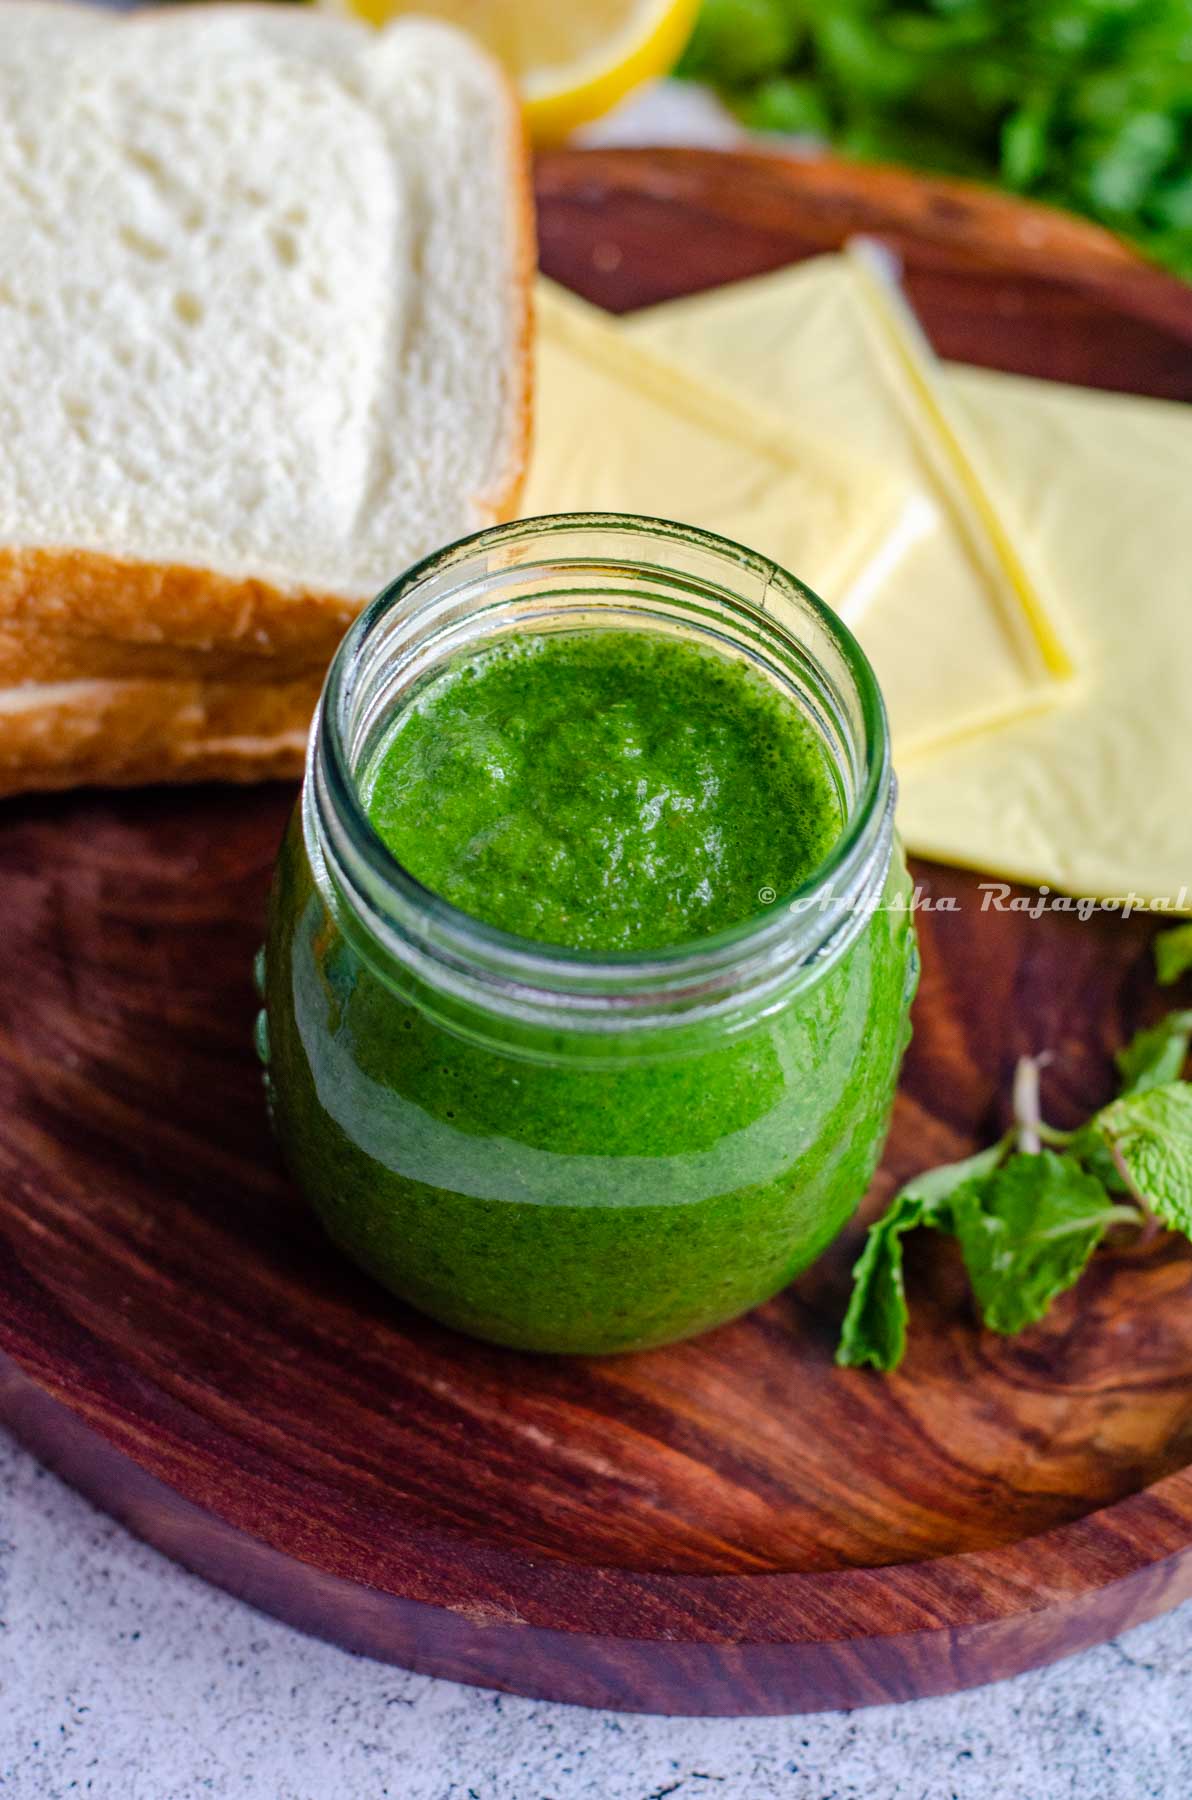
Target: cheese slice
x,y
619,429
1092,797
1085,785
962,628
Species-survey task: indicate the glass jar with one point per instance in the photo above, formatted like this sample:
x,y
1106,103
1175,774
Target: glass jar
x,y
552,1149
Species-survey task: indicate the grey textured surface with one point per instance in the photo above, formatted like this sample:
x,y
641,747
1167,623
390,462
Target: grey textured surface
x,y
125,1679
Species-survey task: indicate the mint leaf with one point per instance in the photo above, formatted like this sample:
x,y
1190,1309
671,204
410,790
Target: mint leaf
x,y
874,1329
1150,1136
1026,1232
1156,1055
1089,1148
934,1186
1173,954
1153,1058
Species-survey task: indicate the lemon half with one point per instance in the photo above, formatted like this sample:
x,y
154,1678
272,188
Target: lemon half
x,y
572,60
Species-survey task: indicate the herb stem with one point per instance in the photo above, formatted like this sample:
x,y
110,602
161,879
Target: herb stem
x,y
1025,1101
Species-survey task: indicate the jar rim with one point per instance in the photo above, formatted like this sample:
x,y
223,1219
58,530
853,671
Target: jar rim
x,y
376,876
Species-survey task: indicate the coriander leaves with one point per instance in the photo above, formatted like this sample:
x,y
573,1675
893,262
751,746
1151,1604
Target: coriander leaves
x,y
1083,103
1029,1212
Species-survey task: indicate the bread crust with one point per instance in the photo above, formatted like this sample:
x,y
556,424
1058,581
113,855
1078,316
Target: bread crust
x,y
125,733
54,592
30,654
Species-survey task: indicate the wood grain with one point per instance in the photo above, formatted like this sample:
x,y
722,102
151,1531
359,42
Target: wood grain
x,y
729,1525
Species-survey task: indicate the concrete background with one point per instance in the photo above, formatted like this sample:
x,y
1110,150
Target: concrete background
x,y
123,1678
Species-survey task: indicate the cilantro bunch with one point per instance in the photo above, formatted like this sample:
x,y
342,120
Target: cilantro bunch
x,y
1083,103
1029,1212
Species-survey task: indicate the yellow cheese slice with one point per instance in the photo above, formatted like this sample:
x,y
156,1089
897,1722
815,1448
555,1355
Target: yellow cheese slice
x,y
1095,796
953,451
960,630
619,429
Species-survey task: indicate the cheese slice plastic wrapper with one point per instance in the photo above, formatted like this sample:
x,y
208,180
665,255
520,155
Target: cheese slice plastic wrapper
x,y
1095,796
619,429
962,632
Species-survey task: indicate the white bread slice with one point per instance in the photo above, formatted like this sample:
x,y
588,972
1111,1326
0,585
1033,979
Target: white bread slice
x,y
264,318
126,733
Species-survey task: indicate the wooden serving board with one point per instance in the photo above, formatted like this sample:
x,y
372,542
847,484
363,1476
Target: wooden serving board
x,y
730,1525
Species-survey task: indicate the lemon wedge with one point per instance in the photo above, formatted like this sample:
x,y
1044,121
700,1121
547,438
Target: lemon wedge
x,y
572,61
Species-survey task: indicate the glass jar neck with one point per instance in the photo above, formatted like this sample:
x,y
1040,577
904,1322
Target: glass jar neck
x,y
575,573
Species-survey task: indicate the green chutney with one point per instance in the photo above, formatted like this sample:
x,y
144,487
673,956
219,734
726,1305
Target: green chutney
x,y
606,791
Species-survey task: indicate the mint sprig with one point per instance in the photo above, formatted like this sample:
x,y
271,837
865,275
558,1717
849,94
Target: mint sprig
x,y
1029,1212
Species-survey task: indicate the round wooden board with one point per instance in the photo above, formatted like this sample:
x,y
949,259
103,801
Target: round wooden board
x,y
730,1525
